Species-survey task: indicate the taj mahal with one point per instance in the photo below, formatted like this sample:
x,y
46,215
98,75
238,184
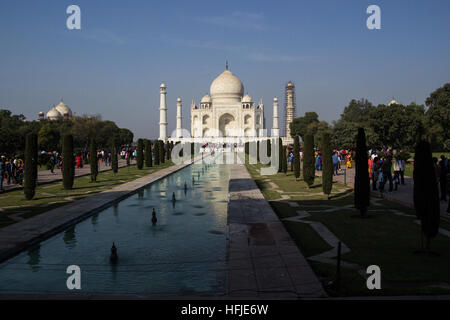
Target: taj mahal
x,y
226,114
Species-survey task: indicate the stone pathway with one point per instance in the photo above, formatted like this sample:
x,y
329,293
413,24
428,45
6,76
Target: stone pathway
x,y
45,176
263,260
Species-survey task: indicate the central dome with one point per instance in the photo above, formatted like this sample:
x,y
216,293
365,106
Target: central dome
x,y
227,88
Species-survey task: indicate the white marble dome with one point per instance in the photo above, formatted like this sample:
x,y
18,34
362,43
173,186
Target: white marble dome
x,y
247,98
54,114
206,99
63,109
226,88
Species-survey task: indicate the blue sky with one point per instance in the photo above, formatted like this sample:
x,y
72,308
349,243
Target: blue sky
x,y
113,66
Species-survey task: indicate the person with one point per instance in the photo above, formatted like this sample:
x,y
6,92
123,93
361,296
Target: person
x,y
79,161
335,159
443,178
402,164
396,173
291,160
52,163
370,167
386,168
375,173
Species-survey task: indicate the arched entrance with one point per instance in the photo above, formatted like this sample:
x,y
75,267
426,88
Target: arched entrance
x,y
226,124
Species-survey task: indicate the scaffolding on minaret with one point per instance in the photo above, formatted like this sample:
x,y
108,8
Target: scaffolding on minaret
x,y
289,108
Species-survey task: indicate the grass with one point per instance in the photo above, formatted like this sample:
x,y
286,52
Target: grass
x,y
14,207
385,239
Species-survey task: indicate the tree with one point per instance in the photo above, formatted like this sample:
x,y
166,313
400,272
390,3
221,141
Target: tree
x,y
362,182
296,157
48,137
327,163
156,152
115,162
284,159
68,161
438,117
93,160
31,161
161,151
257,151
308,160
168,150
426,193
299,126
140,154
148,153
280,155
269,148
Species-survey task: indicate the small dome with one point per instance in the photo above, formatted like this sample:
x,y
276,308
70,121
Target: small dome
x,y
227,88
206,99
54,114
247,98
63,109
179,99
163,85
392,102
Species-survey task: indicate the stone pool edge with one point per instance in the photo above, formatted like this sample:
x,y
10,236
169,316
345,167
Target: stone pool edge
x,y
20,236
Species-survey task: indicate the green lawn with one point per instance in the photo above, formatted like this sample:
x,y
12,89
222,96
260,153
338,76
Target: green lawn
x,y
15,207
385,239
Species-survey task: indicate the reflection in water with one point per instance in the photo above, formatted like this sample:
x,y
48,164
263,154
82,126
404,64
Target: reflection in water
x,y
69,237
185,252
34,258
140,193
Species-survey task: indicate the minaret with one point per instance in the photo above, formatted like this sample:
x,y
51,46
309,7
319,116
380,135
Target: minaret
x,y
290,107
179,118
262,123
275,130
162,113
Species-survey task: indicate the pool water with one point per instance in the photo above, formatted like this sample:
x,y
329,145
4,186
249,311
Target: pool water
x,y
183,254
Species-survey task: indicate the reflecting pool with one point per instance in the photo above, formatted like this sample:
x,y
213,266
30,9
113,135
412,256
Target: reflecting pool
x,y
183,254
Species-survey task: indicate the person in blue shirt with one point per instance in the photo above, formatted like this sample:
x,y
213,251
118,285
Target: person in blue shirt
x,y
335,159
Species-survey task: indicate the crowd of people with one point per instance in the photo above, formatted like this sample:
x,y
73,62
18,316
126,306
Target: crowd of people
x,y
12,170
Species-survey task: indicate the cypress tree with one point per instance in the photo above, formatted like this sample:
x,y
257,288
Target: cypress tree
x,y
280,155
161,151
308,160
114,162
93,161
284,159
269,148
426,193
247,148
140,154
296,157
31,161
156,152
327,163
257,151
362,182
168,151
148,153
68,161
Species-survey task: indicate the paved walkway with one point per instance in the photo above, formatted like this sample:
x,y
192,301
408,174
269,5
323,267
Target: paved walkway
x,y
263,260
45,176
19,236
403,195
